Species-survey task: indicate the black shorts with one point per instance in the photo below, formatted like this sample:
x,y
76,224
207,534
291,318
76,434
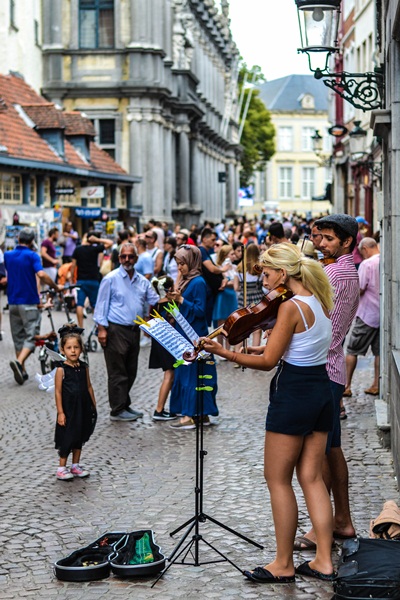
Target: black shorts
x,y
300,400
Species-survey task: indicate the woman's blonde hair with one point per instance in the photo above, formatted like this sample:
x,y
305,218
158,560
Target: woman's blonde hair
x,y
310,272
223,253
252,260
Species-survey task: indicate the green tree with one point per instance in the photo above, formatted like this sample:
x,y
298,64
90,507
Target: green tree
x,y
257,131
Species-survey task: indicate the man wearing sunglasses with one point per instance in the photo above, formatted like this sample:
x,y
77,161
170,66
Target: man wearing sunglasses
x,y
122,297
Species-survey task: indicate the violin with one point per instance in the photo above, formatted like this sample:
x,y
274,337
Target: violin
x,y
243,321
327,261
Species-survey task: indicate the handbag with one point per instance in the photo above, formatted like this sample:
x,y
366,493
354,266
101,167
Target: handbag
x,y
213,280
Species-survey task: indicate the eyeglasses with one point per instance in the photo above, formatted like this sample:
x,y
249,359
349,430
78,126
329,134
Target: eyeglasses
x,y
125,256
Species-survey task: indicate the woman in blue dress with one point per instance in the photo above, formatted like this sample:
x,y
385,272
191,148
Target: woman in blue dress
x,y
191,296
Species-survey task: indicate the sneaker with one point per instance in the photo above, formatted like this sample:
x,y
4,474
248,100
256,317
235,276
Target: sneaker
x,y
163,415
189,424
17,370
137,413
206,420
25,376
79,471
124,416
64,474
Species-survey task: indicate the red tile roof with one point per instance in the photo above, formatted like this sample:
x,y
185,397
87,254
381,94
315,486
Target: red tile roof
x,y
24,142
76,124
45,116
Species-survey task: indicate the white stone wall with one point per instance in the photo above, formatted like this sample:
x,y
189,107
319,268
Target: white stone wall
x,y
19,50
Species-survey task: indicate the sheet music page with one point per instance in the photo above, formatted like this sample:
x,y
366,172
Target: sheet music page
x,y
168,337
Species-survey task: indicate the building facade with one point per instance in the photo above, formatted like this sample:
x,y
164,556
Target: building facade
x,y
48,160
384,123
158,79
296,179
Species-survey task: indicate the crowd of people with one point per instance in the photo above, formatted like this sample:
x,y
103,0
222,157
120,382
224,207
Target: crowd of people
x,y
210,272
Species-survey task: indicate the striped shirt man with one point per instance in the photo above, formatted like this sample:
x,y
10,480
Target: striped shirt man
x,y
344,279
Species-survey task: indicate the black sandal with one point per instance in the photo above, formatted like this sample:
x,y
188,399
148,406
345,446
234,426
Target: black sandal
x,y
261,575
305,569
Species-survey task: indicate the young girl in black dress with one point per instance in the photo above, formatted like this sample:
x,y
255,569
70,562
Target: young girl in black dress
x,y
75,402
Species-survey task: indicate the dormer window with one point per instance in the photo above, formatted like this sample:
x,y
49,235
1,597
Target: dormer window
x,y
55,138
307,101
81,144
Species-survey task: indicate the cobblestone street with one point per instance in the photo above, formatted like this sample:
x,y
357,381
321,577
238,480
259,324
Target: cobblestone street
x,y
142,477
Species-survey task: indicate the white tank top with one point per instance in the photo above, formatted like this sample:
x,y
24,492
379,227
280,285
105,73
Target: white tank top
x,y
310,347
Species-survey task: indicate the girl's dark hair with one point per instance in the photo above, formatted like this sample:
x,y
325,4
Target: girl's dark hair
x,y
68,331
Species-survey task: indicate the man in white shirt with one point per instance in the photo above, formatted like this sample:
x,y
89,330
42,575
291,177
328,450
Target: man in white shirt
x,y
122,297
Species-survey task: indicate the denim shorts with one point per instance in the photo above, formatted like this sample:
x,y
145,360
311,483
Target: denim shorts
x,y
88,288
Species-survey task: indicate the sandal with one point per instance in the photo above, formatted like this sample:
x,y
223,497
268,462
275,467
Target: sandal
x,y
374,391
303,543
261,575
342,414
305,569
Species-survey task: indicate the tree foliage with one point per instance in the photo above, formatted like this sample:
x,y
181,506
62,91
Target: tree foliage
x,y
258,136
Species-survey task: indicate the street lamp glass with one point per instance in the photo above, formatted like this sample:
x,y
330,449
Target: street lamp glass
x,y
319,22
317,141
357,138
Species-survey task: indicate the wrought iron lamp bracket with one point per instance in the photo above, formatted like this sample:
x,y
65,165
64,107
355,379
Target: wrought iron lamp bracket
x,y
362,90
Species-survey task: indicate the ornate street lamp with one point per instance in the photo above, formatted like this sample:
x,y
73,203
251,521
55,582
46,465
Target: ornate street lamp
x,y
357,137
358,154
317,142
319,22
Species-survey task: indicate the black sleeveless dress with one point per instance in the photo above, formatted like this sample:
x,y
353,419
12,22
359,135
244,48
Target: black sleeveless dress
x,y
79,411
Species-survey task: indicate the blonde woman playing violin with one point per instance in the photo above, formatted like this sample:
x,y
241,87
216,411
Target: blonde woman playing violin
x,y
300,412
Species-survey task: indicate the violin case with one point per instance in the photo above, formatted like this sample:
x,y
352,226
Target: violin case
x,y
121,561
112,551
368,569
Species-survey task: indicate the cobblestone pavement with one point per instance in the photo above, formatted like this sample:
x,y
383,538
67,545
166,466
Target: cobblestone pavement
x,y
142,476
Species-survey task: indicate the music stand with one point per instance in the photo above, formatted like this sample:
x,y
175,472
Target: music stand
x,y
192,546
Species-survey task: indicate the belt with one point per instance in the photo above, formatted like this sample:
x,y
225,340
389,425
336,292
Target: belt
x,y
131,327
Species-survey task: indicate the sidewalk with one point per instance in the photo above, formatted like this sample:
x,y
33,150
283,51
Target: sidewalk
x,y
142,476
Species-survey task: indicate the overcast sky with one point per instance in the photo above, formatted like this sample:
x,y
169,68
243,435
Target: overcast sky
x,y
267,34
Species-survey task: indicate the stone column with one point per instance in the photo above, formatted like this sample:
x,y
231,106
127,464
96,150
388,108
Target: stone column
x,y
26,188
39,190
195,169
141,22
169,172
113,196
184,166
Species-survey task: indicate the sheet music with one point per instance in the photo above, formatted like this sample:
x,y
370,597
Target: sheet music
x,y
168,337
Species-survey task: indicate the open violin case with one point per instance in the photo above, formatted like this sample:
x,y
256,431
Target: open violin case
x,y
368,569
133,554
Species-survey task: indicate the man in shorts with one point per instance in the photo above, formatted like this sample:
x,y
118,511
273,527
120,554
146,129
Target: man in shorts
x,y
365,332
86,259
23,266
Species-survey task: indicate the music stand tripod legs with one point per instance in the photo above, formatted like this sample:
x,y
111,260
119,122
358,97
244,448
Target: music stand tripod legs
x,y
192,545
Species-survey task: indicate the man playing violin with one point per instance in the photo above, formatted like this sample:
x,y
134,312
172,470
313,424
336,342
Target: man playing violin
x,y
335,236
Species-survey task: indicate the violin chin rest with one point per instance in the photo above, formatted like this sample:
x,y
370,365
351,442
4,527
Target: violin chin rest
x,y
189,356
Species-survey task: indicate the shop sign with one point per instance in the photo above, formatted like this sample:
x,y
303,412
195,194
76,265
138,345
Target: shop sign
x,y
95,191
65,191
88,213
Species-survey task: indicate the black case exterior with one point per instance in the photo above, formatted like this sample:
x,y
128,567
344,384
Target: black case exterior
x,y
72,568
368,569
119,561
111,551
